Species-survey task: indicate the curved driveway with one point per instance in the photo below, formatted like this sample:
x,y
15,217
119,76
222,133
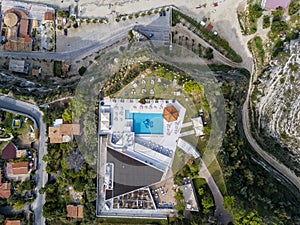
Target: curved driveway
x,y
23,108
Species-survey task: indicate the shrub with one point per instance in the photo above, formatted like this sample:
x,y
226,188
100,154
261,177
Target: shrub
x,y
94,21
143,14
57,68
292,79
59,27
123,18
130,17
72,18
294,7
278,26
149,13
82,70
117,20
255,10
87,21
266,21
155,11
75,25
136,15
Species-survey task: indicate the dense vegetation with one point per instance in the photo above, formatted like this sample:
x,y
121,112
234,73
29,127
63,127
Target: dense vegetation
x,y
256,47
248,18
278,24
58,188
57,68
266,21
217,42
294,7
251,186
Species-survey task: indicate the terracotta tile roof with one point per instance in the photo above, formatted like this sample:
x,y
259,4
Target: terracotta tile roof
x,y
55,135
75,211
65,68
12,222
70,129
27,39
48,16
23,23
209,27
9,151
4,188
80,211
17,168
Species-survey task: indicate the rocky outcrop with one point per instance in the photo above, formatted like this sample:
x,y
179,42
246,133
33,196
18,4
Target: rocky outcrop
x,y
276,99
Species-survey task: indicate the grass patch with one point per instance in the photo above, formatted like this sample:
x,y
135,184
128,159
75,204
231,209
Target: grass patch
x,y
57,68
216,172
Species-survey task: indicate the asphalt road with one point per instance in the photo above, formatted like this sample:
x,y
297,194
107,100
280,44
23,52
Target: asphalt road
x,y
280,167
70,54
33,112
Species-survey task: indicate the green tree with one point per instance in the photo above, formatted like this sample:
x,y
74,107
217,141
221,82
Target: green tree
x,y
207,203
229,202
200,191
72,18
75,25
67,115
266,21
82,70
192,87
179,195
294,7
1,218
18,205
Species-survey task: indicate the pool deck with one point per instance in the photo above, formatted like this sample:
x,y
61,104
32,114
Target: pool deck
x,y
171,130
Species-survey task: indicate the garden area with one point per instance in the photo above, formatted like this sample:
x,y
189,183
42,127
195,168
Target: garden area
x,y
161,83
75,185
217,42
23,134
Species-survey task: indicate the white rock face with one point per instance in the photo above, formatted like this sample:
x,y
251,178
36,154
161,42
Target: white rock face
x,y
278,99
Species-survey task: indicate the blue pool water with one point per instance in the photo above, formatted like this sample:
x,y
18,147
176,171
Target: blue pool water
x,y
128,115
148,123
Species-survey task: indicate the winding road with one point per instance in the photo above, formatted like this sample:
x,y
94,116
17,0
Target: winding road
x,y
280,167
23,108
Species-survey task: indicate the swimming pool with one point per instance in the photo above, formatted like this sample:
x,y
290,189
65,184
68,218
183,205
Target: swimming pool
x,y
148,123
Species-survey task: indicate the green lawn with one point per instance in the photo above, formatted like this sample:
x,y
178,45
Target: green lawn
x,y
216,172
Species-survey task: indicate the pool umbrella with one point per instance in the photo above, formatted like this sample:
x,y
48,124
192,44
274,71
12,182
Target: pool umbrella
x,y
170,114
